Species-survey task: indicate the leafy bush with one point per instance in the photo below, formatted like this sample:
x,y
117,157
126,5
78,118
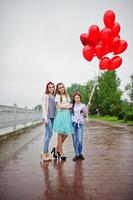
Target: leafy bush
x,y
128,117
121,115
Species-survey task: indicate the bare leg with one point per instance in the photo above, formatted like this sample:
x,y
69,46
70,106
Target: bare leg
x,y
60,140
59,143
63,138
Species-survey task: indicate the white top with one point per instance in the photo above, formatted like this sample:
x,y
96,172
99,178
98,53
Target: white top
x,y
65,100
78,116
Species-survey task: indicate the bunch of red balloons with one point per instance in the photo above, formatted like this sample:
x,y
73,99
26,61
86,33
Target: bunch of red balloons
x,y
101,42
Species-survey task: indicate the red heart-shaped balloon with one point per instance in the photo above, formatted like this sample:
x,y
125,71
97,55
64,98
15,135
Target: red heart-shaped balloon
x,y
84,38
88,52
115,44
94,34
109,18
99,50
122,47
116,61
116,29
106,35
104,63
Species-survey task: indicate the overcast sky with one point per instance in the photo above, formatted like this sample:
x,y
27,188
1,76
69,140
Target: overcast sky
x,y
39,42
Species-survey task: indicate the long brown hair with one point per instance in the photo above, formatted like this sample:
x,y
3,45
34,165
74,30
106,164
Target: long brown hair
x,y
47,90
73,100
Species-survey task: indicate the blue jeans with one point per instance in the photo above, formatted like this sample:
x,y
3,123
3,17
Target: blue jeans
x,y
48,134
77,138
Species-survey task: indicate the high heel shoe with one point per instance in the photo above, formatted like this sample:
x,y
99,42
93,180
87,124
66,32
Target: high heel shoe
x,y
44,158
54,153
62,157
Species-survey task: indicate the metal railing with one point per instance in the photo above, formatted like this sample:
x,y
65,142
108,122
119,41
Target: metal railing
x,y
11,116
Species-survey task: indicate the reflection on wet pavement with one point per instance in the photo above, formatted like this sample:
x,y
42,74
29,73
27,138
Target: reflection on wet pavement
x,y
65,184
105,174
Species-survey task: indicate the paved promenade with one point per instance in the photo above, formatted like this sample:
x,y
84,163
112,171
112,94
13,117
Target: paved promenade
x,y
105,174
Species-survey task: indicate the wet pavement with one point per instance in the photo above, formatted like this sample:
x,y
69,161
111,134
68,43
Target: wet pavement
x,y
105,174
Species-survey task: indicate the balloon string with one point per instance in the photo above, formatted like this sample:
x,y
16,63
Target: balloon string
x,y
93,89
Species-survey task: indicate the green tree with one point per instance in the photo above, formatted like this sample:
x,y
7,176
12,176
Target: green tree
x,y
129,88
75,88
127,106
106,98
94,104
87,91
109,94
83,89
38,107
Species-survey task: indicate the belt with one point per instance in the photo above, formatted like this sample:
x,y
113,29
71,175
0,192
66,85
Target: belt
x,y
76,124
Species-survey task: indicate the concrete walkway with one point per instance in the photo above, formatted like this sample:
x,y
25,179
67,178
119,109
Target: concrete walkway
x,y
105,174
